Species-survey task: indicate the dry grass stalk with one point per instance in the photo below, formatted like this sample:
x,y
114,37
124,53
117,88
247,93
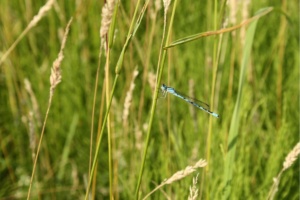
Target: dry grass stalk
x,y
289,160
138,138
179,175
187,171
166,7
35,105
107,12
193,189
32,138
128,98
43,10
55,79
151,78
28,121
291,157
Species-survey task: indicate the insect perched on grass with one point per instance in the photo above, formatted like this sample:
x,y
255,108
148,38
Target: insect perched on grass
x,y
205,107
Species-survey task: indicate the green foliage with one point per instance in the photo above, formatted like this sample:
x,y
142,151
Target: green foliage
x,y
208,68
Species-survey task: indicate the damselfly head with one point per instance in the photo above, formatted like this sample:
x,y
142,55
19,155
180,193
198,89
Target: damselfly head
x,y
163,87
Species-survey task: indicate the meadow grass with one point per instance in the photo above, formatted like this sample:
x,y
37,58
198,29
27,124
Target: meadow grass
x,y
104,132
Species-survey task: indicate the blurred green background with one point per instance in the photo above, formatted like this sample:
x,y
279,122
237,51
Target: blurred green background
x,y
269,113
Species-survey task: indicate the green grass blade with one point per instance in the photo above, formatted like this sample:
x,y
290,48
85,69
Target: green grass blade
x,y
68,145
234,126
166,33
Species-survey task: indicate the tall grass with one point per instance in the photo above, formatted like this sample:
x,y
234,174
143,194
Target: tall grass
x,y
109,134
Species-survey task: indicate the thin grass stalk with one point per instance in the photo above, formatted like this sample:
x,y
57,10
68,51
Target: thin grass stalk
x,y
100,138
168,101
101,46
107,26
234,126
55,79
131,33
212,98
107,17
42,12
100,119
117,71
35,106
38,148
108,124
289,161
147,62
93,109
160,67
216,53
193,189
220,31
231,20
280,63
128,101
107,36
222,13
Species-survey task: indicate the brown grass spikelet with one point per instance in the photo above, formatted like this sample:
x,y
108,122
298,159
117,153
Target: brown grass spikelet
x,y
55,79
